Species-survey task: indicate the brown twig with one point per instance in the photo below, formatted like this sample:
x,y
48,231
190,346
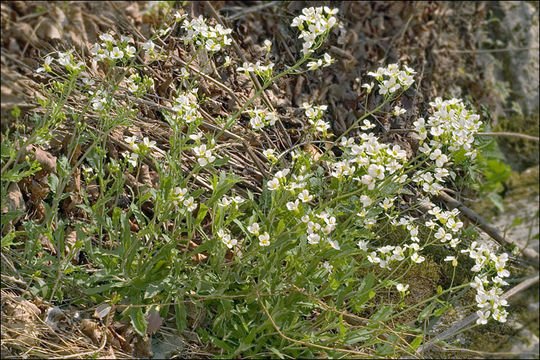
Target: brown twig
x,y
491,133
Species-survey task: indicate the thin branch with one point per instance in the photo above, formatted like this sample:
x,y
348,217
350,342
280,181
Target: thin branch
x,y
512,134
251,9
530,254
487,50
491,133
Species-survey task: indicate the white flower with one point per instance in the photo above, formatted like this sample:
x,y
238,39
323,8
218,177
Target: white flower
x,y
402,288
273,184
254,228
368,87
367,125
267,45
399,111
369,181
148,143
452,259
362,244
483,317
304,196
46,64
328,60
190,204
327,266
180,192
313,238
149,45
106,38
130,51
264,239
366,200
269,154
116,53
417,258
334,244
293,206
500,315
229,242
131,158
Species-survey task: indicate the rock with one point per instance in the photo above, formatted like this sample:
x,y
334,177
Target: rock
x,y
513,25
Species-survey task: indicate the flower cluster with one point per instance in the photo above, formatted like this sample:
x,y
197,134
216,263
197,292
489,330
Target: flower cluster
x,y
319,227
226,238
264,238
137,85
314,115
297,181
212,38
392,78
100,99
66,60
373,160
204,155
226,201
179,197
259,118
313,24
112,49
451,124
139,149
186,108
264,71
327,60
488,299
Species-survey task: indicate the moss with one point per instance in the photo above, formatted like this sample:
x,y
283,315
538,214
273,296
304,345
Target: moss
x,y
520,153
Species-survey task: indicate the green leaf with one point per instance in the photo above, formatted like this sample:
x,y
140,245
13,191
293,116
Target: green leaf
x,y
8,239
417,341
152,290
277,352
138,321
203,210
382,314
497,200
181,315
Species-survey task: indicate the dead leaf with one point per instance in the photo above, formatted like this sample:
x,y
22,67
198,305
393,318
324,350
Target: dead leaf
x,y
102,311
48,30
14,199
313,151
39,212
154,322
54,316
92,330
144,175
71,240
69,205
44,158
